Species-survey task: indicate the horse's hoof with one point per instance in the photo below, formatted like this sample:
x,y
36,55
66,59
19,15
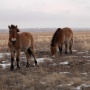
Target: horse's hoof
x,y
71,52
12,67
18,67
27,65
65,52
35,62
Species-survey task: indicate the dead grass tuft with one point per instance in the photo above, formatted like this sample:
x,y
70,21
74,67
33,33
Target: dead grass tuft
x,y
77,81
55,78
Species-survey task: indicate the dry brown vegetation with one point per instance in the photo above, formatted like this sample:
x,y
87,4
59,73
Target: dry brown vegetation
x,y
49,75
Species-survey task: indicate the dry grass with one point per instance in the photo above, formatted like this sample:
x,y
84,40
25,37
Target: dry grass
x,y
81,40
49,75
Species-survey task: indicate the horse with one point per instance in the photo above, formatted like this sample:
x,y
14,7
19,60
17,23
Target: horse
x,y
62,36
20,41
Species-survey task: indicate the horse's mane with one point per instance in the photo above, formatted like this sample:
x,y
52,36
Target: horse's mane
x,y
13,26
55,36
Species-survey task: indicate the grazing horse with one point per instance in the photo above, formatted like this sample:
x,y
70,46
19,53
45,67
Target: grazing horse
x,y
20,42
60,37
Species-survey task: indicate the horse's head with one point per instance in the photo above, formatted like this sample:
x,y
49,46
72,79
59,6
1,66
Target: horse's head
x,y
53,49
13,32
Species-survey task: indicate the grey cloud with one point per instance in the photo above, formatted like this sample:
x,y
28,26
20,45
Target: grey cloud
x,y
40,19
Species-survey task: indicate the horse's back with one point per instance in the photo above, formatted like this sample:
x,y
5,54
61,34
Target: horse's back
x,y
68,33
64,35
25,36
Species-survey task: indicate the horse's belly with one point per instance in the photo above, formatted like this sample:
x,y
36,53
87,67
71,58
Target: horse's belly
x,y
24,48
25,42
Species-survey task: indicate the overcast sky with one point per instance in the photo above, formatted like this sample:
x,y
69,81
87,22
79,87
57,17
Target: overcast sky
x,y
45,13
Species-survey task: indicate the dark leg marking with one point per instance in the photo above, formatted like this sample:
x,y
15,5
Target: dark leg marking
x,y
60,49
17,59
12,60
70,48
27,64
66,48
32,53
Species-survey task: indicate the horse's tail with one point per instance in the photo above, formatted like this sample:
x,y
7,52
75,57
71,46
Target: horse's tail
x,y
29,51
72,38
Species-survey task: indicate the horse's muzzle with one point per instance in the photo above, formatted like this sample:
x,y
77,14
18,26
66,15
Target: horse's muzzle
x,y
13,39
13,42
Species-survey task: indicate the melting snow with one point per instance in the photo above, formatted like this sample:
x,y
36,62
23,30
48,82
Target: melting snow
x,y
64,72
1,55
64,63
41,60
4,65
74,50
86,56
8,54
84,73
83,52
82,85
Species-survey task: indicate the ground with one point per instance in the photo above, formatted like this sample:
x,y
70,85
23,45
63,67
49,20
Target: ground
x,y
62,72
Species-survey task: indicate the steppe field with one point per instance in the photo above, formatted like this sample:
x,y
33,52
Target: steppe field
x,y
63,72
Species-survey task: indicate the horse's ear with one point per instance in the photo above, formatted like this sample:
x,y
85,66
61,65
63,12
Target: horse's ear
x,y
59,29
16,26
18,30
9,27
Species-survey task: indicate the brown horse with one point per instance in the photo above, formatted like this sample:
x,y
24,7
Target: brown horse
x,y
60,37
20,42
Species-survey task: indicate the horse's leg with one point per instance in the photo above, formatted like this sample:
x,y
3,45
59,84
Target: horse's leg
x,y
17,59
12,59
70,46
33,54
28,58
60,48
66,46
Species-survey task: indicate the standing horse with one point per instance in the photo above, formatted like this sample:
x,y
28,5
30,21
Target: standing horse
x,y
20,42
60,37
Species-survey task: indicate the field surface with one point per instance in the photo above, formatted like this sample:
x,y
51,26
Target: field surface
x,y
62,72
